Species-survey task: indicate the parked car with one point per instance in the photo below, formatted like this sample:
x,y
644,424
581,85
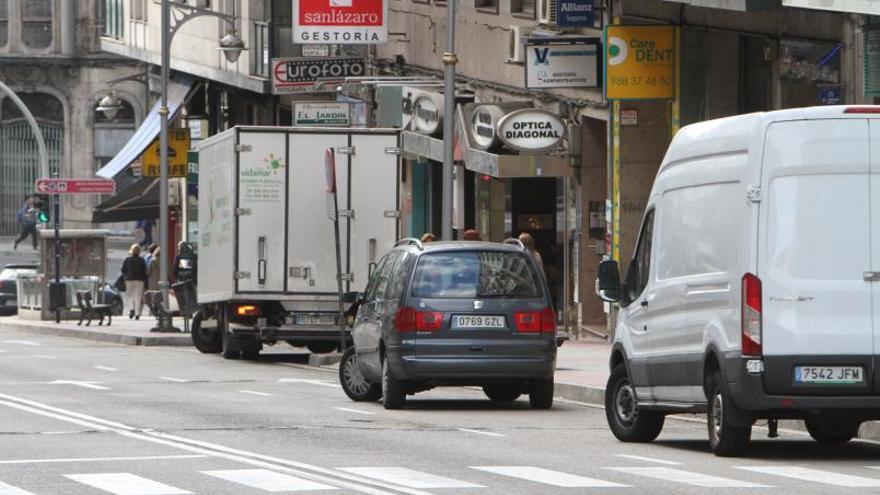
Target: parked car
x,y
752,293
9,287
453,314
111,296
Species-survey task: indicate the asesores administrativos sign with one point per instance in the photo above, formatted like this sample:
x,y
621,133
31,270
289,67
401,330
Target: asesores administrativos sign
x,y
340,21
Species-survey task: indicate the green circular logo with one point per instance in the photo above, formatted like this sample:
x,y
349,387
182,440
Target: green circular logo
x,y
613,50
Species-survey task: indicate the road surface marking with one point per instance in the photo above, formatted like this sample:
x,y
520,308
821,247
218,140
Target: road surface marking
x,y
172,379
104,368
11,490
410,478
270,481
356,411
44,356
310,382
311,472
547,477
91,385
482,432
814,475
687,477
22,342
126,484
648,459
101,459
3,350
254,392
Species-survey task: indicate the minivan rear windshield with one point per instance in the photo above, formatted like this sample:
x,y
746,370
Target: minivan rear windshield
x,y
468,274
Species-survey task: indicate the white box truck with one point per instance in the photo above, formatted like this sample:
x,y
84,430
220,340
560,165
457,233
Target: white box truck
x,y
266,243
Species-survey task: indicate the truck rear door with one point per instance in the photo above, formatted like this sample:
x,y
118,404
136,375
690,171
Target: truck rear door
x,y
261,196
814,249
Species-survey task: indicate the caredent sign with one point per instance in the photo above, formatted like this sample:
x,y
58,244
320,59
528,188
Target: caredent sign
x,y
340,21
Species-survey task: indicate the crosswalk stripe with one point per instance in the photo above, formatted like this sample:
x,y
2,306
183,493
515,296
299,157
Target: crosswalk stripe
x,y
686,477
648,459
547,477
814,475
408,477
11,490
126,484
270,481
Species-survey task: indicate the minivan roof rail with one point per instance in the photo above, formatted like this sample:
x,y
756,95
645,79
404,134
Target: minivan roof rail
x,y
410,240
516,242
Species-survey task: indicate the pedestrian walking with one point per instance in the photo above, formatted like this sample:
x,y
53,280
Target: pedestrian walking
x,y
148,259
27,220
134,269
529,242
146,226
185,263
153,268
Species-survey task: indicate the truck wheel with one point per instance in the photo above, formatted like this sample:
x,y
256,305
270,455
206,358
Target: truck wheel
x,y
541,394
393,391
725,439
230,346
206,340
354,383
832,430
322,347
502,392
626,421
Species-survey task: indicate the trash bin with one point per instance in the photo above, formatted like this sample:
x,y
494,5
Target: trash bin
x,y
185,292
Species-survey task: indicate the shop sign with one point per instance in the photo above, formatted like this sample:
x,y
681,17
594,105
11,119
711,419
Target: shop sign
x,y
315,50
869,7
340,21
531,129
321,114
178,157
562,63
640,62
427,113
830,94
300,75
484,120
575,13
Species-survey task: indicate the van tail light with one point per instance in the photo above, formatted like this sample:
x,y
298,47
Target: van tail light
x,y
407,319
751,315
543,321
247,310
868,109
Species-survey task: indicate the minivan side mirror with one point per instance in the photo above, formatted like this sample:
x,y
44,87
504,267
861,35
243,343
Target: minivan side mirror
x,y
351,297
608,281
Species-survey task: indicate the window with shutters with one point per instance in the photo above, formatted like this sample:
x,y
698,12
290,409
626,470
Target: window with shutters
x,y
113,20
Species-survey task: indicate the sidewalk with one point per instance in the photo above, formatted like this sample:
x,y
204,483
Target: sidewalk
x,y
122,331
582,370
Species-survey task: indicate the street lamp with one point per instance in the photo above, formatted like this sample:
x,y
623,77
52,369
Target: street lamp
x,y
110,105
231,45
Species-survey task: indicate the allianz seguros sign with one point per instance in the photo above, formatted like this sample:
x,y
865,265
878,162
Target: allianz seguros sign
x,y
531,130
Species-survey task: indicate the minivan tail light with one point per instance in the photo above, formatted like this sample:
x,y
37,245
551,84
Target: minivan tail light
x,y
871,109
407,319
543,321
751,315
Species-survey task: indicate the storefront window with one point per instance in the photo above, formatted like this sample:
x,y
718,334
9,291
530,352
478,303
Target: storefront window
x,y
809,73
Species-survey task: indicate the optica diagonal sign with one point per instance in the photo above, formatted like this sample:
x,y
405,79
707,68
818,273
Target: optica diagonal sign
x,y
340,21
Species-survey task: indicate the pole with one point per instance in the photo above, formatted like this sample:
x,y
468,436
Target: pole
x,y
164,323
41,143
56,207
339,275
449,60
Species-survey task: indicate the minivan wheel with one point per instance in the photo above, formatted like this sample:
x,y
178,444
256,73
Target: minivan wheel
x,y
725,439
541,394
832,430
354,383
502,392
626,421
393,391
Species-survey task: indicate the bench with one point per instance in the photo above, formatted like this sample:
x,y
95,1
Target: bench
x,y
89,311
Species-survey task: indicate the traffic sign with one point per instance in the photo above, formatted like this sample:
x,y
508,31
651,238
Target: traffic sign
x,y
74,186
178,146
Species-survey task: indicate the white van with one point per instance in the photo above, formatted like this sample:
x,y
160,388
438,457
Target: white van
x,y
753,292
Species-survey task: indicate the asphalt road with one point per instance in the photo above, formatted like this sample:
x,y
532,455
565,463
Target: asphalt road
x,y
78,417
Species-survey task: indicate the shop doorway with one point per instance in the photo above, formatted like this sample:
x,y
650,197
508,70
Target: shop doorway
x,y
533,207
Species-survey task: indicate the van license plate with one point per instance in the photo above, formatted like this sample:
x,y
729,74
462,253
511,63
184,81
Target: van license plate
x,y
478,321
832,375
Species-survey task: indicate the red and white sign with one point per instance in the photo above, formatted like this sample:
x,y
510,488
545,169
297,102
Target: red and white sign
x,y
340,21
74,186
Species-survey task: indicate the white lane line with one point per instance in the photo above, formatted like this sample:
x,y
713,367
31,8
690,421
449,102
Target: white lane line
x,y
3,350
814,475
104,368
254,392
548,477
270,481
91,385
126,484
687,477
356,411
12,490
320,383
22,342
172,379
648,459
100,459
45,356
409,477
482,432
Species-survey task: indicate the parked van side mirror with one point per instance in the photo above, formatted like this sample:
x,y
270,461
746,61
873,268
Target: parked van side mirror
x,y
608,281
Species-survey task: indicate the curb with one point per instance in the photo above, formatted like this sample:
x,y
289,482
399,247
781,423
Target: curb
x,y
322,360
177,340
581,393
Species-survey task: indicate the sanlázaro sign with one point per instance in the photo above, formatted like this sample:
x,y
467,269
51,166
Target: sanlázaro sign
x,y
531,130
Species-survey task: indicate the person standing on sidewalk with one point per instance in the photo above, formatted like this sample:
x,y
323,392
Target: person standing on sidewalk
x,y
153,268
134,269
27,218
529,242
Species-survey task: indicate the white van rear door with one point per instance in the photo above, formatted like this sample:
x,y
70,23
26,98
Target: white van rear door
x,y
814,247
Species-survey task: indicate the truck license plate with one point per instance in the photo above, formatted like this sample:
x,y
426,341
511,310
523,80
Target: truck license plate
x,y
478,321
833,375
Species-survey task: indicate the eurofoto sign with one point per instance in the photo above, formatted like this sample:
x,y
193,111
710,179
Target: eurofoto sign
x,y
340,21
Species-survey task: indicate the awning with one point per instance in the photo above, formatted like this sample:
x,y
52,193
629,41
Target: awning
x,y
735,5
138,201
178,88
